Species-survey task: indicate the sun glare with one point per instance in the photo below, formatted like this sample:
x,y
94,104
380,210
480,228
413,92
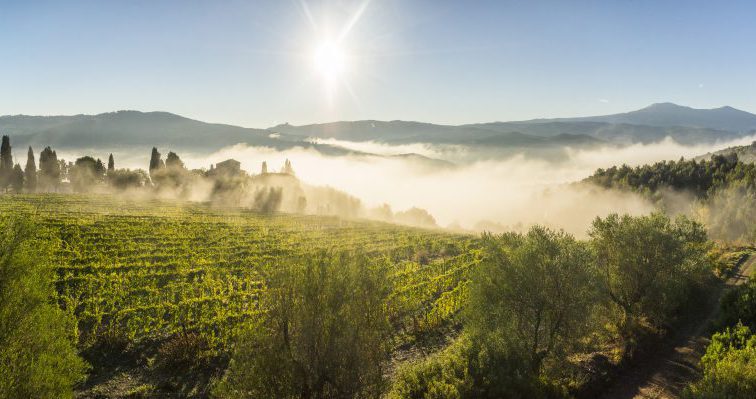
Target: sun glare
x,y
329,60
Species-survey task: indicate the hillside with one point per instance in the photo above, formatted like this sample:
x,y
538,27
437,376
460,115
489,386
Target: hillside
x,y
140,280
650,124
620,133
125,129
669,114
745,153
138,130
399,132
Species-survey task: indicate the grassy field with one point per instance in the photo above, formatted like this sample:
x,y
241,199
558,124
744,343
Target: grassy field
x,y
140,272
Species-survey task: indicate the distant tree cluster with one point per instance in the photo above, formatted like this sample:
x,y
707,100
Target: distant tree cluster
x,y
11,176
48,178
224,183
723,189
701,178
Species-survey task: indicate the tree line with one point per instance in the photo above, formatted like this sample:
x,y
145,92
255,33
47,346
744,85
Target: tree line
x,y
702,178
88,173
719,192
51,173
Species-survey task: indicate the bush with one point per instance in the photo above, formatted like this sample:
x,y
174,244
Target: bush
x,y
729,367
324,334
37,354
184,351
739,305
469,369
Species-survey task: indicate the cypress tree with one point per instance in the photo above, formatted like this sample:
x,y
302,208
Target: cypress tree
x,y
111,163
155,161
6,163
6,159
30,172
99,169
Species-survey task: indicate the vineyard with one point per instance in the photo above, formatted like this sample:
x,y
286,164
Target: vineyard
x,y
146,270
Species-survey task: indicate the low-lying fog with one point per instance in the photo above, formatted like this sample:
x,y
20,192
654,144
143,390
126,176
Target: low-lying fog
x,y
510,192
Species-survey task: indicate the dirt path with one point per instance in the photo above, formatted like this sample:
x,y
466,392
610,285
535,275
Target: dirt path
x,y
664,375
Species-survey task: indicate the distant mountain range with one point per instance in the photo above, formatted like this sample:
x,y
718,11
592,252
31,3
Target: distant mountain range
x,y
124,129
669,114
650,124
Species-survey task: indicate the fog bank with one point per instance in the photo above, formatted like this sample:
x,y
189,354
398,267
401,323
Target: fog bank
x,y
508,193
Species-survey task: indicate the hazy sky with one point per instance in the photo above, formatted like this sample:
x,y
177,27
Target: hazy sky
x,y
251,63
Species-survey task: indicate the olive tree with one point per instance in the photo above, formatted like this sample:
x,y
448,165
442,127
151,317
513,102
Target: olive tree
x,y
534,291
647,266
323,335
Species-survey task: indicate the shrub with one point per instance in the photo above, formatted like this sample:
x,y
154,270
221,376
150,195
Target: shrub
x,y
729,367
470,369
323,335
37,354
184,351
738,305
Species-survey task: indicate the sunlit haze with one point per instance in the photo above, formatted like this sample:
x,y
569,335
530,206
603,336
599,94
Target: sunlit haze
x,y
396,199
261,63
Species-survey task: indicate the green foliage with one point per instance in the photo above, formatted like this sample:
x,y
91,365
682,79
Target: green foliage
x,y
30,172
49,170
124,179
699,177
6,163
324,332
648,265
133,279
726,261
730,213
469,368
172,161
738,305
724,187
86,173
530,302
17,178
37,355
534,291
156,163
729,367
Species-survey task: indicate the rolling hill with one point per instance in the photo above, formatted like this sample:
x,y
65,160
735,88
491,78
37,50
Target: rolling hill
x,y
669,114
138,130
650,124
745,153
126,129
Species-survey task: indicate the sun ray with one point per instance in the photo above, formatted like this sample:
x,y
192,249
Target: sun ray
x,y
308,14
353,20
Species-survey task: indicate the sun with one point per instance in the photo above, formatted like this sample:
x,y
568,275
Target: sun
x,y
329,59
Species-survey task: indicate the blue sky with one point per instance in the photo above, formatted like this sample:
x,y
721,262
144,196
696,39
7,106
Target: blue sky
x,y
250,63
